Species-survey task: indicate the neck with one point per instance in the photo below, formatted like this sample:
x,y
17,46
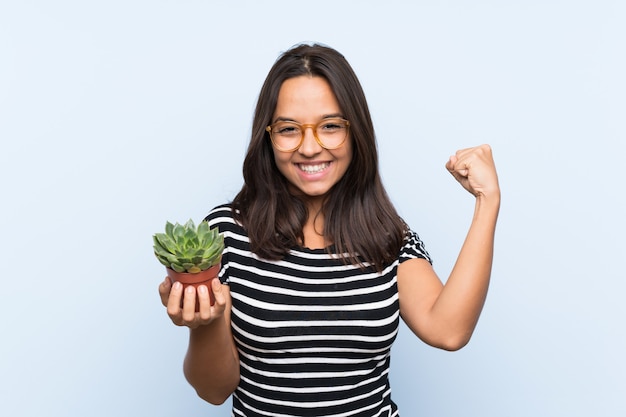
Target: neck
x,y
313,230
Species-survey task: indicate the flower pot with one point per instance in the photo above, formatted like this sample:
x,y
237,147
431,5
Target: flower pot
x,y
200,278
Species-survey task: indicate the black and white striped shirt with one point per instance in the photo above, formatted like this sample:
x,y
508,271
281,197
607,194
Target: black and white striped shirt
x,y
313,334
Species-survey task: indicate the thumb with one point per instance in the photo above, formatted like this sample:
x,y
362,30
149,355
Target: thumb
x,y
455,168
450,164
217,289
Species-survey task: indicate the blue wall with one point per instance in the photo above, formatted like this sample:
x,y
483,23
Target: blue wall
x,y
116,116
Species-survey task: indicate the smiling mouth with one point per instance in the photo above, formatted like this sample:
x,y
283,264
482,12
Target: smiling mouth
x,y
313,169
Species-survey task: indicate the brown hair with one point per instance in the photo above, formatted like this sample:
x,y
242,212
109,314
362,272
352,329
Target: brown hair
x,y
359,217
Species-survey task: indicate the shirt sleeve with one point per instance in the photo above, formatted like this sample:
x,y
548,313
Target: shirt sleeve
x,y
413,248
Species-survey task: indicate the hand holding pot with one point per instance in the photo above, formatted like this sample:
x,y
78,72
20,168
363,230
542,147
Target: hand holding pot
x,y
181,304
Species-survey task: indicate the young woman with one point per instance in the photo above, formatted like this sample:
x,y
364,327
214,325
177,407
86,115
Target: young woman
x,y
318,266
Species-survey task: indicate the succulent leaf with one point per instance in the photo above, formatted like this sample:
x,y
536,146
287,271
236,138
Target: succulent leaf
x,y
171,258
189,236
165,242
204,234
163,260
204,265
169,227
178,232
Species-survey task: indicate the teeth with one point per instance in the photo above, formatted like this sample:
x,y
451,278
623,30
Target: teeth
x,y
312,169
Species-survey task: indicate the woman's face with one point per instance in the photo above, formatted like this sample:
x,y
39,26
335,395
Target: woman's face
x,y
311,169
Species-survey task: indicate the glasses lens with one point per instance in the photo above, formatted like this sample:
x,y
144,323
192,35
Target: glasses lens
x,y
286,135
332,132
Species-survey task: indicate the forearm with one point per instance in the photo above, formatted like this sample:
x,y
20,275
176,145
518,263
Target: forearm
x,y
461,300
212,364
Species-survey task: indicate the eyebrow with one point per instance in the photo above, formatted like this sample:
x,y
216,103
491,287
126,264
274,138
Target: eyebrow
x,y
326,116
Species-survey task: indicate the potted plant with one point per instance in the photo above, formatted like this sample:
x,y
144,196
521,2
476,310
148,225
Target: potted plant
x,y
192,255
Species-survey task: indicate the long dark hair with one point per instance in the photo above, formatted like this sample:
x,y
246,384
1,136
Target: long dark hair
x,y
359,218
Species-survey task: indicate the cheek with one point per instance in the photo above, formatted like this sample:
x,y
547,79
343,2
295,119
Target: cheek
x,y
282,161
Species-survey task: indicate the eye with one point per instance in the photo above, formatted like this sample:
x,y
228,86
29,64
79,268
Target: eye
x,y
331,126
287,129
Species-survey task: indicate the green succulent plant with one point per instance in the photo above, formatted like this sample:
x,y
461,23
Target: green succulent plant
x,y
187,248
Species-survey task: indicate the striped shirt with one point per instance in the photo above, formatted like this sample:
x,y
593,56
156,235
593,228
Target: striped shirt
x,y
313,334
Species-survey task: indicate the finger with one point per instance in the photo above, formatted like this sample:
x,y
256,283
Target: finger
x,y
204,303
450,164
173,302
462,171
189,304
219,293
457,167
477,153
164,290
473,160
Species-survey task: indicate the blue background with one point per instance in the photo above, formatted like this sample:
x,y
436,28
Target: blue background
x,y
117,116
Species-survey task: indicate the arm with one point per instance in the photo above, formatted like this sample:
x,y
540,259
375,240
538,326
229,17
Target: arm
x,y
445,315
211,365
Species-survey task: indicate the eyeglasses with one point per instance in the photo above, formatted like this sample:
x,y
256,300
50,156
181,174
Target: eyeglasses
x,y
329,133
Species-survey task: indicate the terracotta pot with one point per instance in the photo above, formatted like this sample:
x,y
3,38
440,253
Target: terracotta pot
x,y
200,278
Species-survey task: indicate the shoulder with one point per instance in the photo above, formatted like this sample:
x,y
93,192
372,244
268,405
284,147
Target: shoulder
x,y
413,247
222,217
221,213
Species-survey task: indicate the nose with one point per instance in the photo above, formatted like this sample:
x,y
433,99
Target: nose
x,y
309,145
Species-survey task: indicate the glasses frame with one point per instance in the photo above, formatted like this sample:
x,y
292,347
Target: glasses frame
x,y
303,127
